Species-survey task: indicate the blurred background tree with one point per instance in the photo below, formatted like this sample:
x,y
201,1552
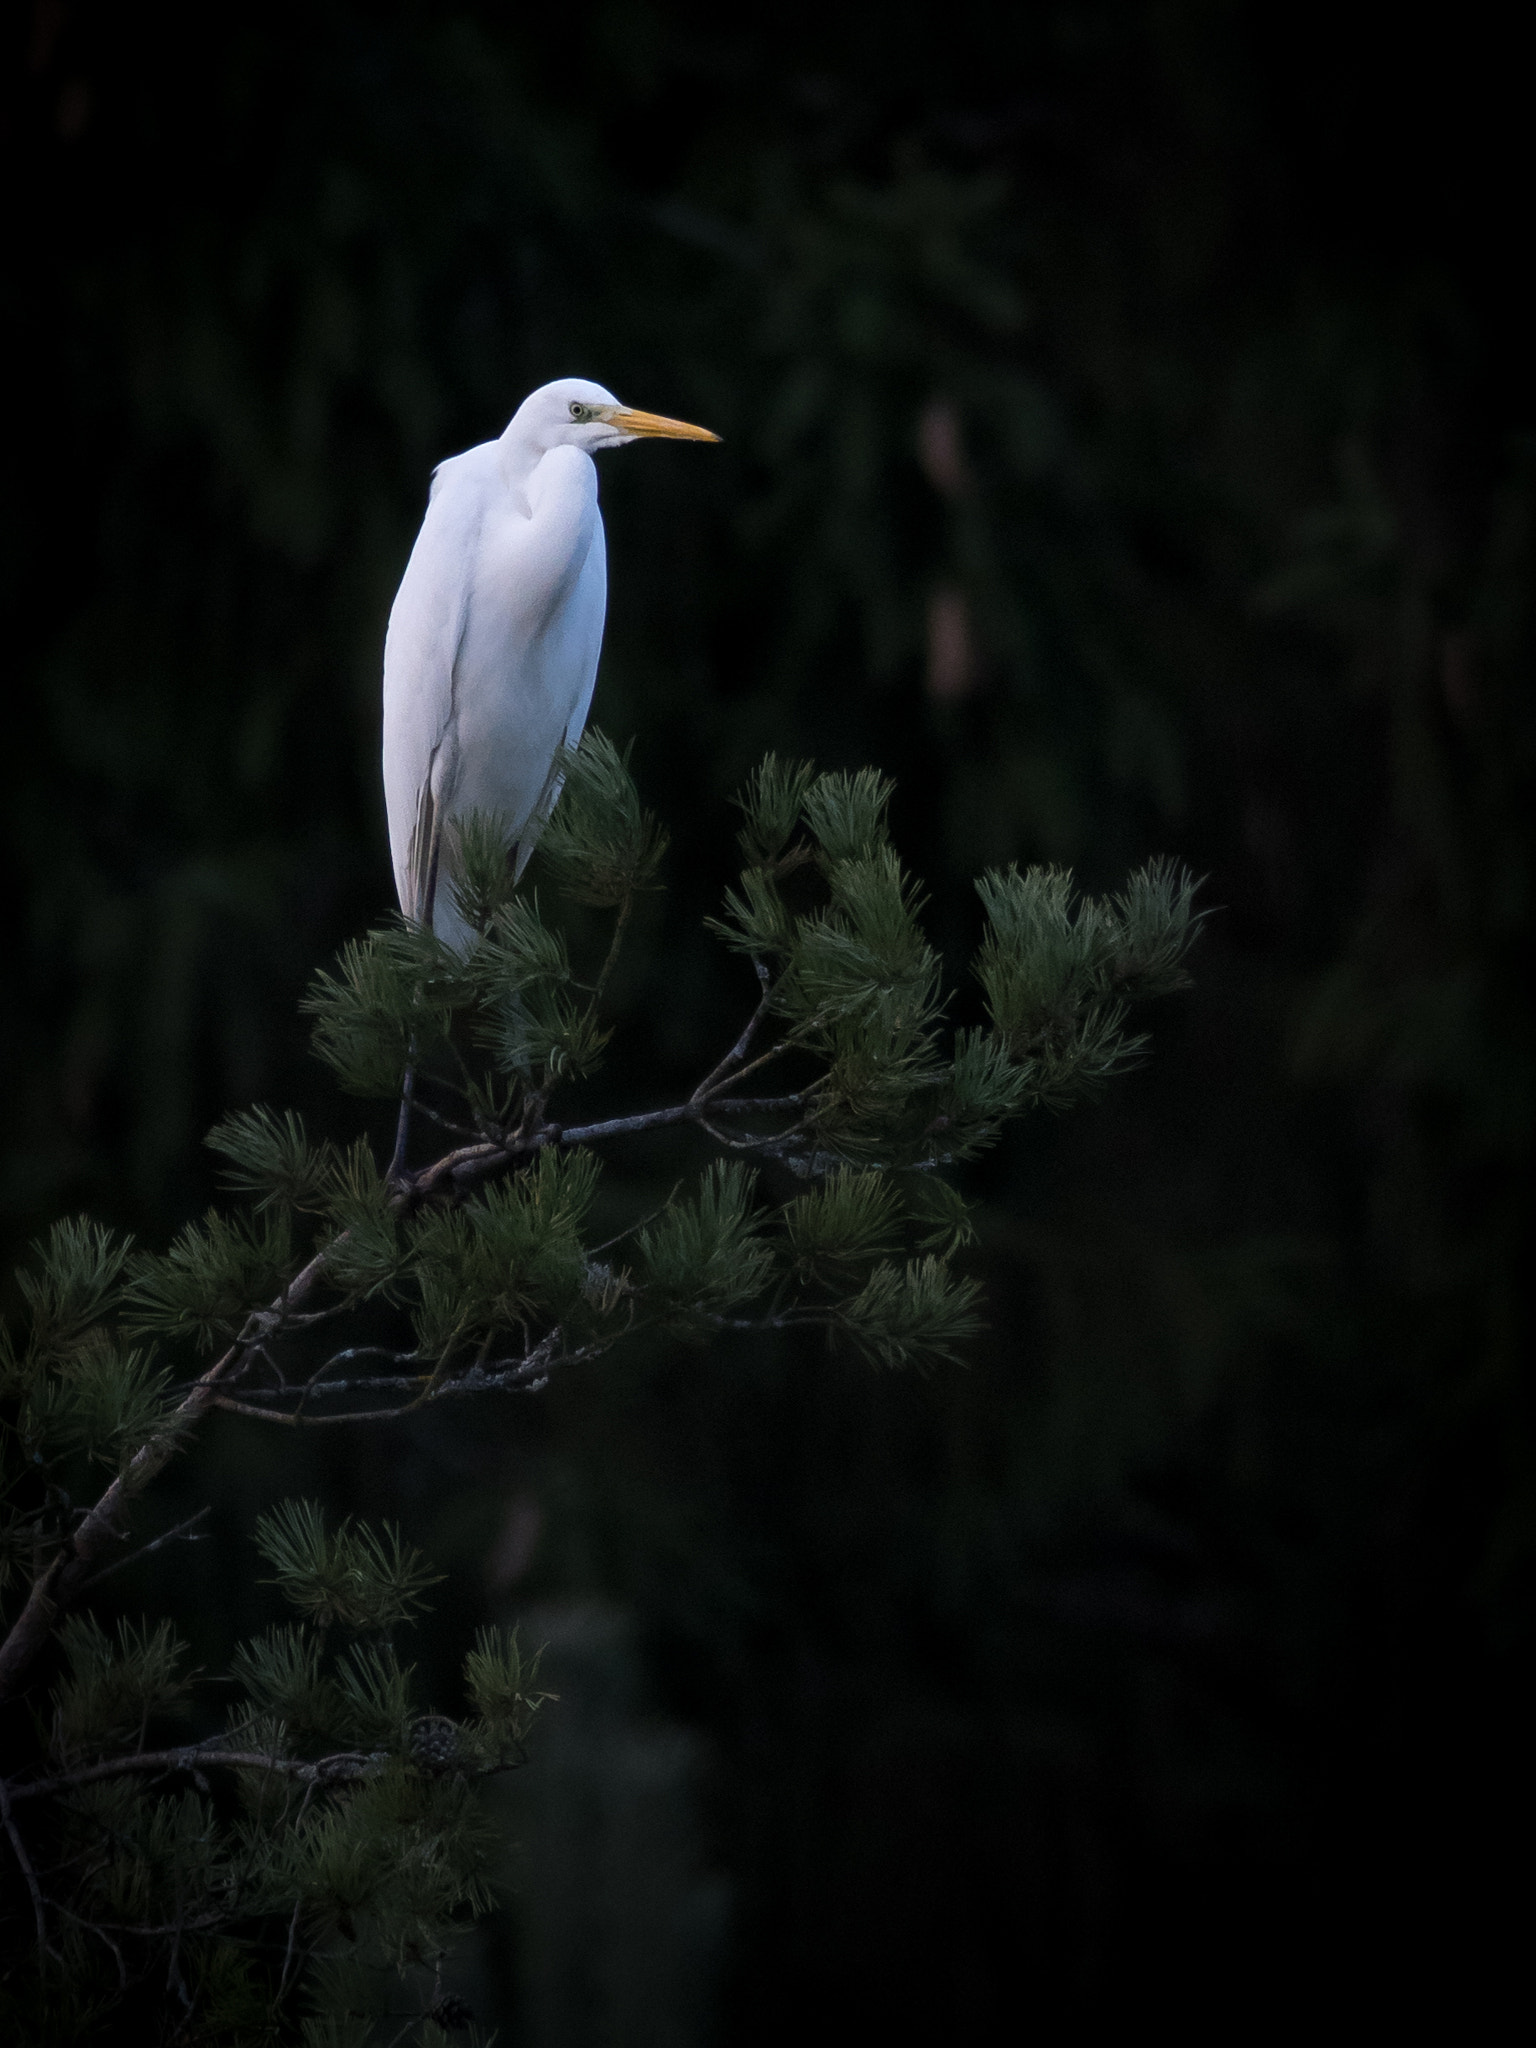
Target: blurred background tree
x,y
1128,448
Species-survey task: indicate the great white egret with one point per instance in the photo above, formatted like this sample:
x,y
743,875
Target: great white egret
x,y
493,639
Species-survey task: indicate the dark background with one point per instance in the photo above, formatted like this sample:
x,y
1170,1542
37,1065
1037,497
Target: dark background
x,y
1128,447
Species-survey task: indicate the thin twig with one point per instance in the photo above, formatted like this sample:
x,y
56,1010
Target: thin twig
x,y
403,1126
813,1320
298,1905
772,1145
445,1123
734,1080
359,1351
498,1372
277,1321
521,1375
170,1536
173,1977
19,1850
338,1358
257,1351
197,1926
682,1113
297,1419
738,1051
95,1927
614,943
634,1229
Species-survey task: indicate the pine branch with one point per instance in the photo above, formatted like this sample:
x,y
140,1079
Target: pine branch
x,y
467,1164
345,1767
454,1174
485,1252
857,988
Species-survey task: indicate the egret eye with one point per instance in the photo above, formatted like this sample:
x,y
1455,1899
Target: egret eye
x,y
578,411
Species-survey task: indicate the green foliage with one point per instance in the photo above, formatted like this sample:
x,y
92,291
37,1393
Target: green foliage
x,y
271,1159
823,903
392,998
103,1403
159,1851
981,1091
856,982
940,1213
703,1258
1038,952
512,1256
212,1278
341,2029
1156,918
772,805
352,1574
395,998
280,1671
357,1851
536,1018
114,1684
864,955
363,1258
500,1682
75,1283
600,846
372,1697
913,1314
850,1219
846,813
1058,973
477,868
757,920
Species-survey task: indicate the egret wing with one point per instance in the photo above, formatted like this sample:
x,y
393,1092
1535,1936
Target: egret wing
x,y
582,638
426,628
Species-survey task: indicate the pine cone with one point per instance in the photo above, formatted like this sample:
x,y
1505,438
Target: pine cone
x,y
434,1743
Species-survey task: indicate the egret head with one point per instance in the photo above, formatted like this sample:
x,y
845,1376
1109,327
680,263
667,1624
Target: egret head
x,y
572,412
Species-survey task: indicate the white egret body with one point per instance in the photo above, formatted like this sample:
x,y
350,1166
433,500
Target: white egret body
x,y
491,654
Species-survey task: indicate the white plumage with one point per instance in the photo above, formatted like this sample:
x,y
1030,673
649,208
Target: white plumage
x,y
494,636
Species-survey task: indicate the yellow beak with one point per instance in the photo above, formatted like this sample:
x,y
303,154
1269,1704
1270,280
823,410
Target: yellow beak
x,y
628,421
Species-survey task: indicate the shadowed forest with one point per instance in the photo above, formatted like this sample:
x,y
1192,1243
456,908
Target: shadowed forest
x,y
1128,448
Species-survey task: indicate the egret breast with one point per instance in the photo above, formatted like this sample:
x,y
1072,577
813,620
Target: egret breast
x,y
531,637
